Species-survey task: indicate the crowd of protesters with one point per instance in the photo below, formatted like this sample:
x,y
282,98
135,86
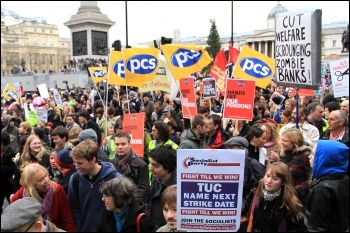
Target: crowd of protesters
x,y
80,167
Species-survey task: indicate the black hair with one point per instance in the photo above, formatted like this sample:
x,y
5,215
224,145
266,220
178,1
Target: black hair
x,y
165,155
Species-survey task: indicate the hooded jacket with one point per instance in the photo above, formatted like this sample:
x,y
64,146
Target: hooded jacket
x,y
86,198
14,133
189,140
327,205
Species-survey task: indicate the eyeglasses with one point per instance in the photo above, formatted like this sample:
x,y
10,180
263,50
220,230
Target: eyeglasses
x,y
30,226
105,196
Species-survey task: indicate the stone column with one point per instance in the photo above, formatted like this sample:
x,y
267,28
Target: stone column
x,y
266,44
259,50
273,49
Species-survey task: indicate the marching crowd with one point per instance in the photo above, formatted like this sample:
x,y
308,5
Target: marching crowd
x,y
77,171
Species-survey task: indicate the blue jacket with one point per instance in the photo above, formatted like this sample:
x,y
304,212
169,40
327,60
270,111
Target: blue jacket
x,y
85,198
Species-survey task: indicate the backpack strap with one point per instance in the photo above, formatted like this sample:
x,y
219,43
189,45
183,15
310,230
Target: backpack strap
x,y
138,227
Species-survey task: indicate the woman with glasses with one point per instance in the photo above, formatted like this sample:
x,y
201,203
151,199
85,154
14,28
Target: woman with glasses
x,y
124,212
34,152
295,154
55,207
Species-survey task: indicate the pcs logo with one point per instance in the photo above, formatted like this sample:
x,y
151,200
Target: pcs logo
x,y
119,68
99,73
142,64
11,94
185,58
255,68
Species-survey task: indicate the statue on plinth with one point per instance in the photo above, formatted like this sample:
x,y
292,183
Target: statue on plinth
x,y
345,40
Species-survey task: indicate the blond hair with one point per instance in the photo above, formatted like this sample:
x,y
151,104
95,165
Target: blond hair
x,y
29,176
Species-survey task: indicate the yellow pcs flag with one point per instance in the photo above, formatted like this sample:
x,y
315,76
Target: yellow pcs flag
x,y
252,65
9,92
141,65
116,73
185,60
98,74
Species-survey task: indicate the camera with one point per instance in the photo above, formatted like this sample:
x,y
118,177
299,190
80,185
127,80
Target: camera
x,y
65,81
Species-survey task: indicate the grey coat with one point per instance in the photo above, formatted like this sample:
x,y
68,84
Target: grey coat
x,y
189,140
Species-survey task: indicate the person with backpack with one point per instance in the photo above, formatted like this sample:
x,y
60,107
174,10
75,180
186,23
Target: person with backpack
x,y
84,191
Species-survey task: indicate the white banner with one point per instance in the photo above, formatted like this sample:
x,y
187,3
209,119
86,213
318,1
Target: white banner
x,y
57,97
340,77
209,189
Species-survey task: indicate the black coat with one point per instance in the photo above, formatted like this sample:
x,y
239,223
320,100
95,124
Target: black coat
x,y
154,204
147,224
327,205
7,171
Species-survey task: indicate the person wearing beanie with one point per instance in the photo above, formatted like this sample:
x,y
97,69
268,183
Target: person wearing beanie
x,y
147,104
327,205
134,101
24,215
90,134
253,170
65,166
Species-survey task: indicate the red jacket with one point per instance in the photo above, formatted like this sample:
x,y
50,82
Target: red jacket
x,y
61,213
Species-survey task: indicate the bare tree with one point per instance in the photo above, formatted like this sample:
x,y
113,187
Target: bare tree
x,y
30,53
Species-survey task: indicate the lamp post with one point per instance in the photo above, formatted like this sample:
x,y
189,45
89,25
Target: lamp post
x,y
231,23
126,24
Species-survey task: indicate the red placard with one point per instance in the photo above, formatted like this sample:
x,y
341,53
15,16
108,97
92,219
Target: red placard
x,y
239,99
133,124
188,98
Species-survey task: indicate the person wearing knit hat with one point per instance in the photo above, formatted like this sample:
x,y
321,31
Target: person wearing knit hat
x,y
253,170
132,93
24,215
90,134
63,159
66,167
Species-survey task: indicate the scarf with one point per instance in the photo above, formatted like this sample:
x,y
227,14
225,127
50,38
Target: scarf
x,y
119,217
270,196
123,165
46,203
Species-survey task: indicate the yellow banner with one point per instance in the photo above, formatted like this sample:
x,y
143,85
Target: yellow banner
x,y
162,80
184,60
9,92
252,65
98,74
116,71
141,65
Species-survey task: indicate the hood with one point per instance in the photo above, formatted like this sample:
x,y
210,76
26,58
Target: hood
x,y
106,170
331,157
7,120
188,134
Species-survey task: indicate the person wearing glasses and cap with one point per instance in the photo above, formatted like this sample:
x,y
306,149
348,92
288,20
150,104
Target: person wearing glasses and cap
x,y
24,215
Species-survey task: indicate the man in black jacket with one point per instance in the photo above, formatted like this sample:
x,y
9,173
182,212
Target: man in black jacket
x,y
129,164
87,123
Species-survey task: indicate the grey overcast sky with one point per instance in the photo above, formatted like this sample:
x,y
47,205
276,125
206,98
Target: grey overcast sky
x,y
149,20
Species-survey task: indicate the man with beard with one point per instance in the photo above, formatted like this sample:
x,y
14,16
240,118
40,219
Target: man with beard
x,y
310,132
194,138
